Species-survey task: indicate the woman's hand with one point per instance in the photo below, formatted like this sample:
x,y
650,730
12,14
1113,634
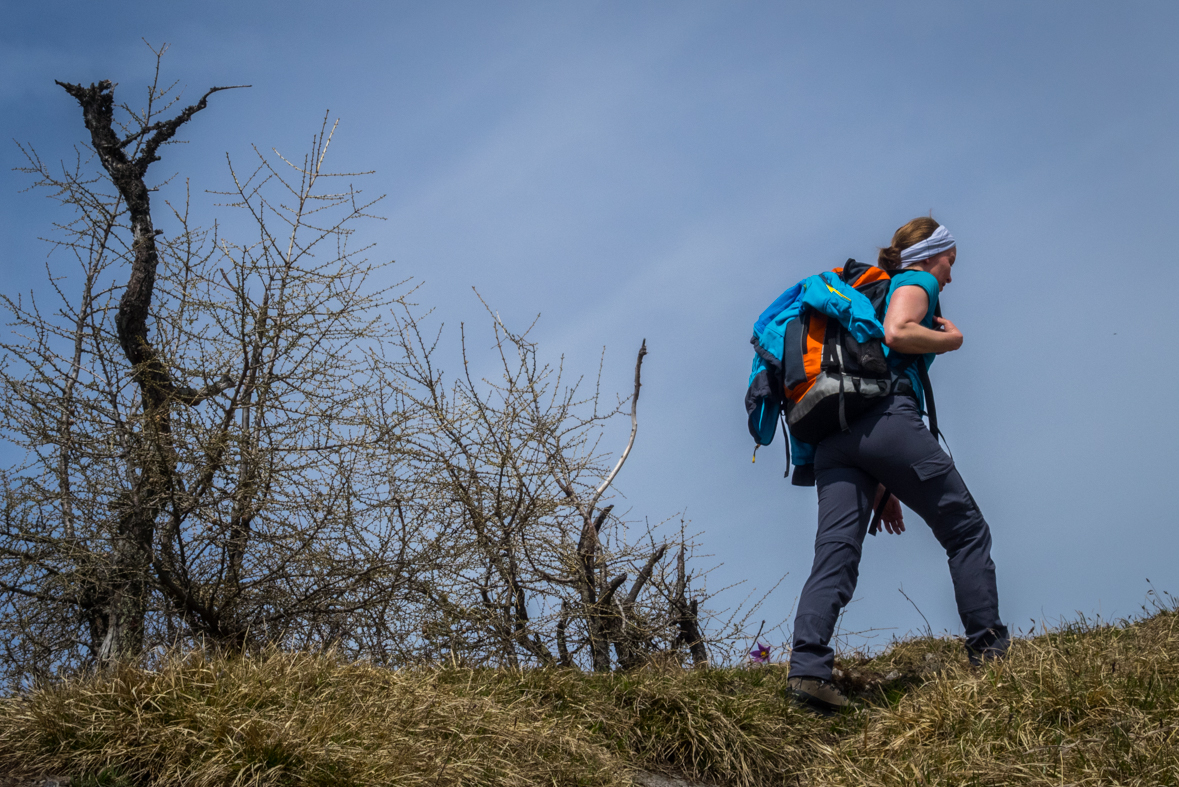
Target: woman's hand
x,y
950,330
891,517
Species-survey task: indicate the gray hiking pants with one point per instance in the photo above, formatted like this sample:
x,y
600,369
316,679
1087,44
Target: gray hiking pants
x,y
891,445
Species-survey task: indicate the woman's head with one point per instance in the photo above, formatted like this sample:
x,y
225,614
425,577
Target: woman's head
x,y
911,234
940,247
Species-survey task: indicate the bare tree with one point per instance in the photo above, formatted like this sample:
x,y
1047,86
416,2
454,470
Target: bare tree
x,y
234,438
218,472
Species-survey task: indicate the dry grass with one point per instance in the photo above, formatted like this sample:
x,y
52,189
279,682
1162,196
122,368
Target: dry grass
x,y
292,719
1084,705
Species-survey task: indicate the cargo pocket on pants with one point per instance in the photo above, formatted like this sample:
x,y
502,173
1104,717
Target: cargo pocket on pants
x,y
933,466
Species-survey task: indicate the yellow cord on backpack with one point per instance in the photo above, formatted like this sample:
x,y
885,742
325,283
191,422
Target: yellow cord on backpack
x,y
837,292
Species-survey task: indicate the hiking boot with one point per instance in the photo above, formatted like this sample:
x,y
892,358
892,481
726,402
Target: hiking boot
x,y
817,695
980,657
996,650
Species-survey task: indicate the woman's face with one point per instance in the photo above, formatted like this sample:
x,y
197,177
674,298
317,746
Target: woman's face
x,y
940,267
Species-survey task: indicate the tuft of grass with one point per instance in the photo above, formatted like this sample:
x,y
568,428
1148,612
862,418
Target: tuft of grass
x,y
1085,704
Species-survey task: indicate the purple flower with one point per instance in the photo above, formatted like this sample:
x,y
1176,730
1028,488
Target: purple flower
x,y
760,653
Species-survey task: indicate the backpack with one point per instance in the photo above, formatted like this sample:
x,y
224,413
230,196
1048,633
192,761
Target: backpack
x,y
819,358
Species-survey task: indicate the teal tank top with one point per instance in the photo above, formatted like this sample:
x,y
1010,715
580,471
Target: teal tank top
x,y
927,282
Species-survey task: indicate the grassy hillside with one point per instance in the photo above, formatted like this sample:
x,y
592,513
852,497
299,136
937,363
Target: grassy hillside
x,y
1084,705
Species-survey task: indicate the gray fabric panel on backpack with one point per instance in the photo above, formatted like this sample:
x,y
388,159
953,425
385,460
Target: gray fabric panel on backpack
x,y
860,392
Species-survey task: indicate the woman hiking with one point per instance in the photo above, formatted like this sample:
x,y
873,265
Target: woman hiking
x,y
890,448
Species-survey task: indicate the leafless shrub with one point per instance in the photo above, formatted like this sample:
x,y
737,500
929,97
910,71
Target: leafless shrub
x,y
542,572
238,441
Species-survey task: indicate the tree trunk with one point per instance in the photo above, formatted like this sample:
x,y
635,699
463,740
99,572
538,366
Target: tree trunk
x,y
153,465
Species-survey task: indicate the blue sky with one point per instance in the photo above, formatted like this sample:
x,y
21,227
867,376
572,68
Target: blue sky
x,y
663,170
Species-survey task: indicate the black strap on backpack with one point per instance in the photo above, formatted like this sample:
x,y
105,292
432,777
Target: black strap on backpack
x,y
879,512
930,407
785,439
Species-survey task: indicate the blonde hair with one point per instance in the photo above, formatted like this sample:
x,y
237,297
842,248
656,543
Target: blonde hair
x,y
911,234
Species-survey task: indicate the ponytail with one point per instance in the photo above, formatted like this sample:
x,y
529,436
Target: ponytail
x,y
889,259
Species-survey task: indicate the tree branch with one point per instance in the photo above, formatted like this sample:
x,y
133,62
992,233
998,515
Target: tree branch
x,y
634,428
165,131
615,583
645,575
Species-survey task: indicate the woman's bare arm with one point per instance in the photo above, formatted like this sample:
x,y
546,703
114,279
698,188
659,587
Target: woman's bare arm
x,y
903,331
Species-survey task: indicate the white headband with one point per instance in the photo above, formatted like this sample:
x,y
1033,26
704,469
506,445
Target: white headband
x,y
941,240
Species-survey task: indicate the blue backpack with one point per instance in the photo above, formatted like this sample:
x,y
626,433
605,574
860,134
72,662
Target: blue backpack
x,y
819,360
819,363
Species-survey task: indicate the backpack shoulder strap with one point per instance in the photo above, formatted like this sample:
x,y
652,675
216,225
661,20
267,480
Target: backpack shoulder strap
x,y
927,387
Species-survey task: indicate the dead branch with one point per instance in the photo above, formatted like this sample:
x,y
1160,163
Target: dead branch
x,y
634,428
